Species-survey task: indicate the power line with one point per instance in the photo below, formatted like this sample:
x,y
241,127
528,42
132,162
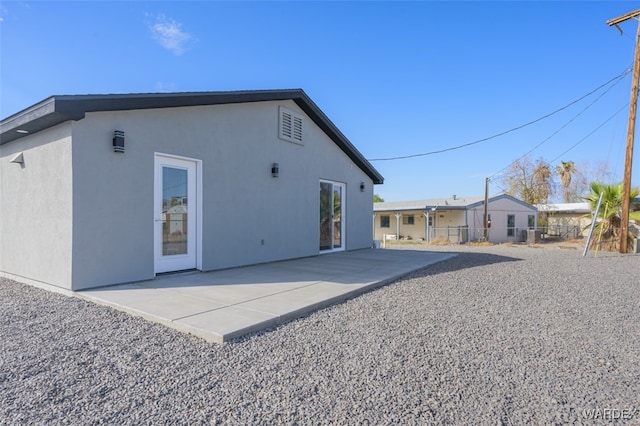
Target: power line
x,y
572,146
592,132
618,77
559,129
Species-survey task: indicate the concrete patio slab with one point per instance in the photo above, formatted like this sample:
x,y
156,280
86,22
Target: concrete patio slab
x,y
227,304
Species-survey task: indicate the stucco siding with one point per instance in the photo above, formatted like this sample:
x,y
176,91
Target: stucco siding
x,y
248,215
444,224
499,211
36,208
112,194
415,231
568,225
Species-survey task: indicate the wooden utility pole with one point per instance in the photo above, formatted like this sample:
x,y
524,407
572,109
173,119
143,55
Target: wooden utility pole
x,y
626,185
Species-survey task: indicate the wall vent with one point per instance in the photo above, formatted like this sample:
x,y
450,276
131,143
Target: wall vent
x,y
291,126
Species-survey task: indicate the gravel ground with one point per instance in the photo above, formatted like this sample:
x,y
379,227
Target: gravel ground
x,y
497,335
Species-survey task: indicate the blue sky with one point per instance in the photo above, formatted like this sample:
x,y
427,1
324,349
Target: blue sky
x,y
398,78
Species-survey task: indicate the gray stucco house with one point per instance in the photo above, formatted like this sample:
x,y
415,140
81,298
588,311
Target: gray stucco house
x,y
105,189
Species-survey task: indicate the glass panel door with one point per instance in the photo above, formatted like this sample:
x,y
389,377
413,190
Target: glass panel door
x,y
331,216
175,214
326,216
337,216
175,200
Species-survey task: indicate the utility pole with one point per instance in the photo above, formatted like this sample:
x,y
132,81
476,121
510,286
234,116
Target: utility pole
x,y
486,211
633,104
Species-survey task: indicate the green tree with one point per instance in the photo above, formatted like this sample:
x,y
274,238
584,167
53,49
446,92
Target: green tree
x,y
608,221
377,199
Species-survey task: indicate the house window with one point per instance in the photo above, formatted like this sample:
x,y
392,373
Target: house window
x,y
290,126
407,220
511,224
531,221
384,222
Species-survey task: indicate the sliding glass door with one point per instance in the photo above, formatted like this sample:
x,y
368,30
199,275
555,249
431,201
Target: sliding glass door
x,y
332,201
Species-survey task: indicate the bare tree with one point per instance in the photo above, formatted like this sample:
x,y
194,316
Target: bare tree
x,y
528,181
585,173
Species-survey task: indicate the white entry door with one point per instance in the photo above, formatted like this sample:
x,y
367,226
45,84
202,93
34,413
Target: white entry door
x,y
175,214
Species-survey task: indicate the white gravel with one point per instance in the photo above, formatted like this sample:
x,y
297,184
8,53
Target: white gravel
x,y
497,335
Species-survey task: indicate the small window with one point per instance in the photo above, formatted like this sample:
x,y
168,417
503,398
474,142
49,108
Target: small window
x,y
290,126
531,221
511,224
407,220
384,222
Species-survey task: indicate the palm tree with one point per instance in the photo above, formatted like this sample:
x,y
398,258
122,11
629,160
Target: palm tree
x,y
541,182
566,169
609,221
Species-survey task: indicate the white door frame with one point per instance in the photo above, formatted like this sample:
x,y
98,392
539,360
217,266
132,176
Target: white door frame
x,y
343,210
193,258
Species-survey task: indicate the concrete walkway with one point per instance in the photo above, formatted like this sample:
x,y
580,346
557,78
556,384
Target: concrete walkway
x,y
222,305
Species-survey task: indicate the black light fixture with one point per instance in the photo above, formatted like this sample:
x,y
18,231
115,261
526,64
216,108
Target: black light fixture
x,y
275,170
361,186
118,141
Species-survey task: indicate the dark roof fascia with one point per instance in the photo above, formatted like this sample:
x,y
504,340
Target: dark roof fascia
x,y
58,109
326,125
42,115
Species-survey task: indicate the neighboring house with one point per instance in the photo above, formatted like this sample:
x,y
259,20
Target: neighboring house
x,y
105,189
456,219
571,220
566,220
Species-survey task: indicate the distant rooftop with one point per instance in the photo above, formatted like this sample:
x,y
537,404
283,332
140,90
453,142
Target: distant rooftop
x,y
451,203
564,208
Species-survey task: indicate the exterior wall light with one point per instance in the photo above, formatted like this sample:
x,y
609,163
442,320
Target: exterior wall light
x,y
275,170
118,141
361,186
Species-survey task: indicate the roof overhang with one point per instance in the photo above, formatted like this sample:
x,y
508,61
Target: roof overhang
x,y
59,109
